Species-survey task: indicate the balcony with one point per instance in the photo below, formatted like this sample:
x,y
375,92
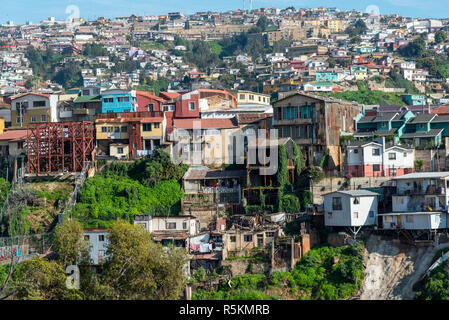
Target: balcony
x,y
65,114
81,111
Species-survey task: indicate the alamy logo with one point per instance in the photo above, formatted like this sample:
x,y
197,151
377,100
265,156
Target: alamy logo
x,y
73,277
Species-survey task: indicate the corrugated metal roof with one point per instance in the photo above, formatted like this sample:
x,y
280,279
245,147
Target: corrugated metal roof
x,y
355,193
423,175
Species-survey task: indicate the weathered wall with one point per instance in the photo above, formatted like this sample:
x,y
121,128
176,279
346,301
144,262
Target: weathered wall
x,y
434,160
240,266
334,183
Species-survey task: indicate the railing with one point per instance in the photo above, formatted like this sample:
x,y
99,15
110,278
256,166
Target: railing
x,y
220,189
79,181
141,153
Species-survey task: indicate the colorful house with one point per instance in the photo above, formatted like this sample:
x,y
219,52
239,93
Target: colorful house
x,y
117,100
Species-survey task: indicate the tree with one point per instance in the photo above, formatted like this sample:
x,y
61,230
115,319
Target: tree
x,y
70,244
29,84
440,37
39,279
138,268
414,49
357,29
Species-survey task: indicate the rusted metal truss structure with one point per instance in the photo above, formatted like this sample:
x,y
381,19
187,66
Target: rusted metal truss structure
x,y
59,147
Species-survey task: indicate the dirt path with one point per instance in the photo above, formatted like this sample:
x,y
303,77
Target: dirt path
x,y
393,268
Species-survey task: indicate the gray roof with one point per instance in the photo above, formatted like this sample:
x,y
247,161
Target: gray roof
x,y
422,118
423,175
385,116
441,118
410,213
355,193
430,133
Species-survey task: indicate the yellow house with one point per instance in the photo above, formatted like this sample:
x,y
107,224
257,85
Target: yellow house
x,y
135,133
249,97
29,108
2,124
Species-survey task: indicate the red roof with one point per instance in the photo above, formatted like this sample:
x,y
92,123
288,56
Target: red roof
x,y
169,95
45,95
150,95
13,135
440,110
205,123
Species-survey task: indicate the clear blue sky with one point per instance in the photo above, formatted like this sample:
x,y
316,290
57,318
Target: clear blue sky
x,y
21,11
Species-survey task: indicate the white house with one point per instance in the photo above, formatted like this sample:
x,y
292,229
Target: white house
x,y
419,203
374,159
98,240
353,208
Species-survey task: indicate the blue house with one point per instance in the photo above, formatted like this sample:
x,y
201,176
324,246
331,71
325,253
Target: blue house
x,y
117,100
414,100
326,77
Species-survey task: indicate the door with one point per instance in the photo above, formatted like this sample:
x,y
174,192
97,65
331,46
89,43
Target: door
x,y
260,240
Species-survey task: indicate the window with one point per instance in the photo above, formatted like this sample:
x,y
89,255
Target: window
x,y
191,106
356,200
20,145
356,150
233,239
184,225
248,237
124,129
104,129
156,126
146,126
242,97
392,156
329,215
393,172
108,100
371,214
101,237
86,237
116,129
33,118
251,97
86,92
169,108
120,150
170,225
151,107
269,234
376,167
336,203
405,154
39,103
19,119
123,99
43,118
376,152
356,215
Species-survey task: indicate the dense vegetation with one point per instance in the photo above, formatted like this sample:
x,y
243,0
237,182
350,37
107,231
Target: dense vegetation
x,y
135,267
324,273
148,186
436,285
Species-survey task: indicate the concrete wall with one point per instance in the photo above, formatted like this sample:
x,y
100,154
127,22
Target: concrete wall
x,y
334,183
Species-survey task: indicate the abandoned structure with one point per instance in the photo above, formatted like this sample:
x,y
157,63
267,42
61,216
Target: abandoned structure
x,y
59,147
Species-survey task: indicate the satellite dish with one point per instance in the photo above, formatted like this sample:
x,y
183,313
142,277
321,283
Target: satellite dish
x,y
373,9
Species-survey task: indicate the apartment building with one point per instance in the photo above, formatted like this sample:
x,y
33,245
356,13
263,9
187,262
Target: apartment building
x,y
29,108
315,123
